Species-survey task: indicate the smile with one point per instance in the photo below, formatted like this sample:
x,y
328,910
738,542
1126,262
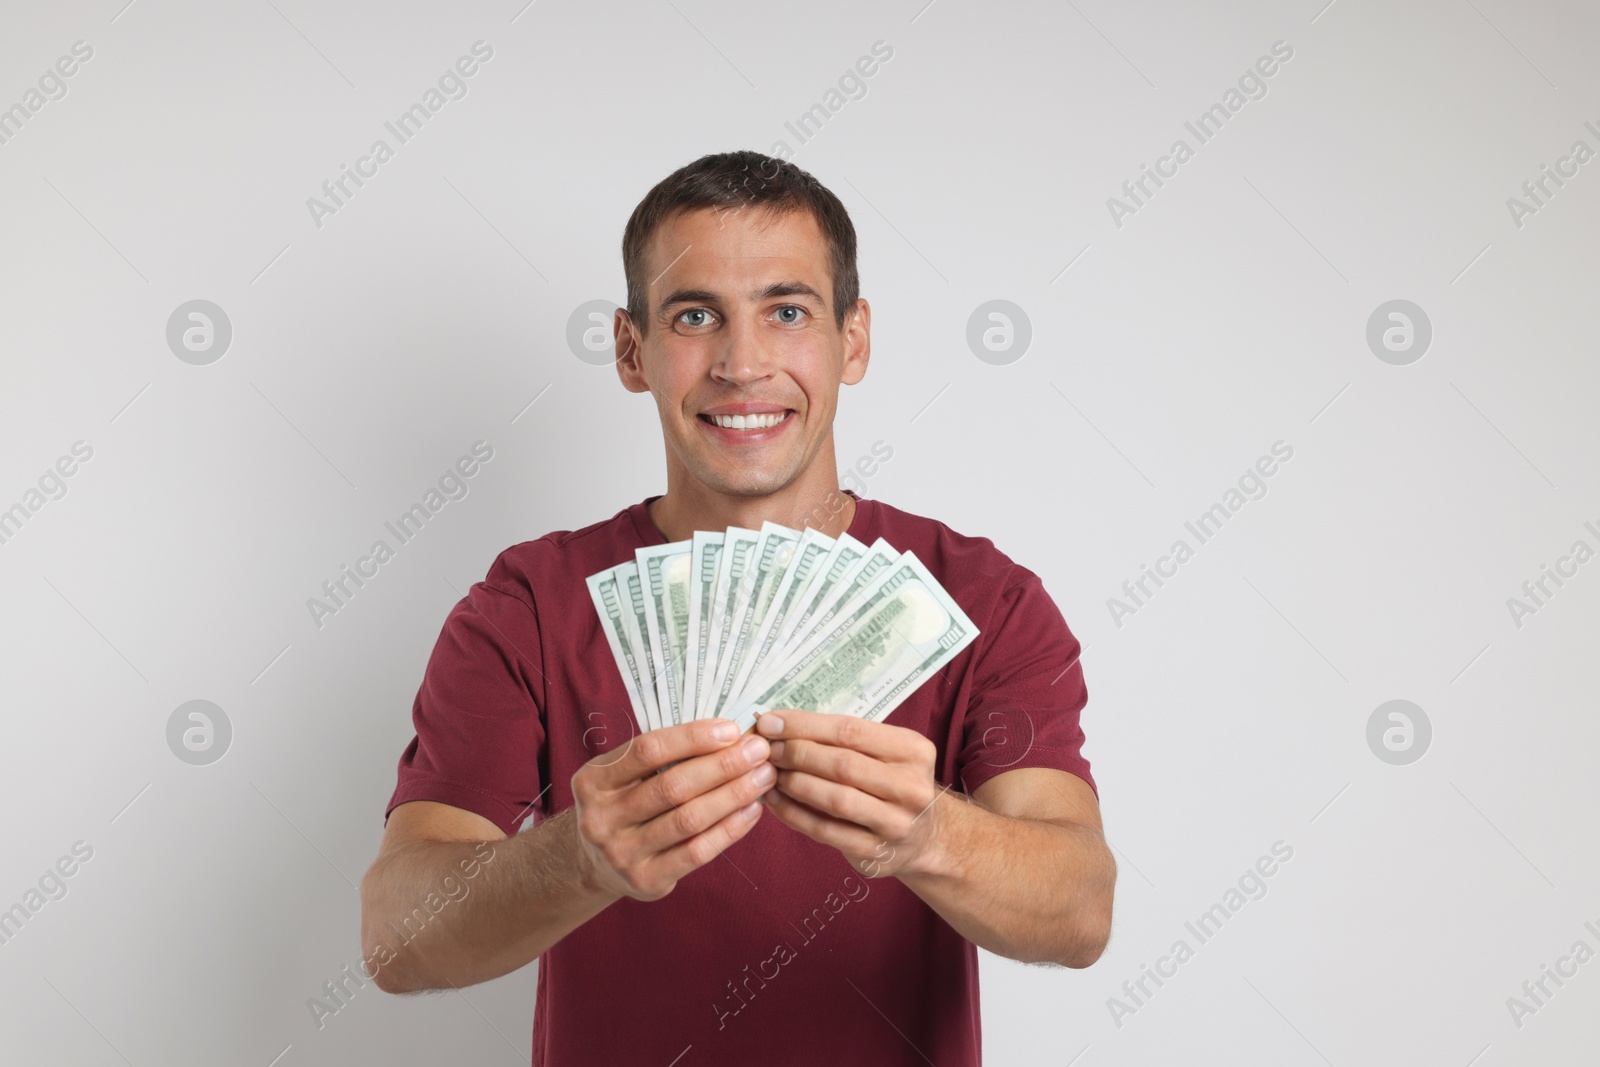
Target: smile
x,y
764,421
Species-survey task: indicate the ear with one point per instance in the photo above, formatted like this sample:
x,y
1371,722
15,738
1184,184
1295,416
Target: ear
x,y
630,350
857,343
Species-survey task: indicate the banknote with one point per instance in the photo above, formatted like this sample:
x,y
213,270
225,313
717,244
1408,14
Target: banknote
x,y
704,556
633,620
608,604
854,581
811,550
664,570
840,561
870,656
738,557
761,578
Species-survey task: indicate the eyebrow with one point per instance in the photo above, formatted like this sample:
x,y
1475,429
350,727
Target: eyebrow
x,y
702,296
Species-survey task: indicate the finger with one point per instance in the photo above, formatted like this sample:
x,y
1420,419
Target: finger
x,y
697,816
690,855
681,783
848,767
891,743
646,753
847,837
843,802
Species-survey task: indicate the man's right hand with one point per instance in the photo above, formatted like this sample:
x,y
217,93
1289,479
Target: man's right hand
x,y
639,831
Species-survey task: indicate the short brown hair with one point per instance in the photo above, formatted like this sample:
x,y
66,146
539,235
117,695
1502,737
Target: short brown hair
x,y
732,180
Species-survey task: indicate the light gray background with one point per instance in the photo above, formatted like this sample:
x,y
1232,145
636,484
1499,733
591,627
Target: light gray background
x,y
1229,313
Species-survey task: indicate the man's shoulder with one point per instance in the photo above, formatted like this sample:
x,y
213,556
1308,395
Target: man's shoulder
x,y
962,562
564,554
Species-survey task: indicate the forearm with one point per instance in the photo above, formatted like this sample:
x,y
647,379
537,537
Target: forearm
x,y
1027,889
420,931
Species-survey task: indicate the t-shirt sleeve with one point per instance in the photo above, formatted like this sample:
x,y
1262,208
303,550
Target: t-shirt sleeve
x,y
1027,693
480,730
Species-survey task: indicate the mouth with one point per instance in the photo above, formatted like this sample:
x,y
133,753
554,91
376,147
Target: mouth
x,y
747,424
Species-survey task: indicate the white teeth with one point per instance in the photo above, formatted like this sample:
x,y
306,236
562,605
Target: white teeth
x,y
748,422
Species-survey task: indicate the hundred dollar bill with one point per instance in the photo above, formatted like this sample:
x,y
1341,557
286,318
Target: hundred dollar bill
x,y
813,548
871,656
826,600
824,579
603,590
738,557
771,560
634,613
855,583
826,593
664,570
704,555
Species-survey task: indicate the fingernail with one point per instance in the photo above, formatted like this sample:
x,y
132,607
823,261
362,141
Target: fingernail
x,y
755,748
752,809
724,730
777,750
770,724
764,774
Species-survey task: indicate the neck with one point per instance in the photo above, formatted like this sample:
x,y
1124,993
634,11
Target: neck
x,y
812,500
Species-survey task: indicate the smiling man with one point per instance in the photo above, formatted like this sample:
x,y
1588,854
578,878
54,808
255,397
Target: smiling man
x,y
813,893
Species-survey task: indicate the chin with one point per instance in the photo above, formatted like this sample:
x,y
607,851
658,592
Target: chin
x,y
748,483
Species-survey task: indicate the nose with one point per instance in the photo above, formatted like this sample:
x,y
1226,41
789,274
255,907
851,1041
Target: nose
x,y
744,356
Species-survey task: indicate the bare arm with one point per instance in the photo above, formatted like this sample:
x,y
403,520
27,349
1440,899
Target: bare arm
x,y
526,894
1023,871
427,923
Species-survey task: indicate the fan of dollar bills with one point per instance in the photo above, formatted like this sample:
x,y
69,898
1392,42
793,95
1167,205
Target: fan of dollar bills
x,y
736,623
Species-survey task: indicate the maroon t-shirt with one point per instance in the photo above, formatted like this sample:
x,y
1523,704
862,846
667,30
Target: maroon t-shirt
x,y
779,951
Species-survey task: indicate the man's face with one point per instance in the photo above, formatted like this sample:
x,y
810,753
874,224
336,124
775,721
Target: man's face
x,y
742,356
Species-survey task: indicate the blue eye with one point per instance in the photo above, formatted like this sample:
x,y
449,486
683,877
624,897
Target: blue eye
x,y
798,311
684,318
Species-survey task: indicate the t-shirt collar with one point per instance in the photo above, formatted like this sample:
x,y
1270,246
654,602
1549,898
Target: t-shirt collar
x,y
861,524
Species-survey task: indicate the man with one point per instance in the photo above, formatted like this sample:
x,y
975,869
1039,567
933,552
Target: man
x,y
809,894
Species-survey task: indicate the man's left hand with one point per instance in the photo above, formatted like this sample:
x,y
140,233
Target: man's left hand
x,y
864,788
